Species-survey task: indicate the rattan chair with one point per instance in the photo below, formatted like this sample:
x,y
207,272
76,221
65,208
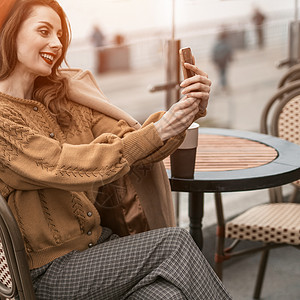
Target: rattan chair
x,y
275,223
14,271
290,90
281,118
270,225
292,74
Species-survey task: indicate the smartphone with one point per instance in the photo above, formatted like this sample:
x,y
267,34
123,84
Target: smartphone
x,y
186,55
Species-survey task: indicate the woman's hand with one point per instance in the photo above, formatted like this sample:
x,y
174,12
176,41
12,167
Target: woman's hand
x,y
180,116
197,86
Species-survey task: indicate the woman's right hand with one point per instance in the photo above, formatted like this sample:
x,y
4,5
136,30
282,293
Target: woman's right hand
x,y
181,115
178,118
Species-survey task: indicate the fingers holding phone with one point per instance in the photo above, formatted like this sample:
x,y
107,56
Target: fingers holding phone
x,y
196,83
186,56
196,88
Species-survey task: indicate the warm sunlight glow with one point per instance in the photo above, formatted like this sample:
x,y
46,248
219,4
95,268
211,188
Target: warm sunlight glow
x,y
116,16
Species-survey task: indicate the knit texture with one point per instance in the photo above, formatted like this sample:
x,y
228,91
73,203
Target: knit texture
x,y
50,176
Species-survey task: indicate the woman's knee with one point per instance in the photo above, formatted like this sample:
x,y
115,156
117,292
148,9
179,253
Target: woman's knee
x,y
180,234
177,236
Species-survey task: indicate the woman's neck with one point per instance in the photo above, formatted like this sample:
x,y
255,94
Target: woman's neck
x,y
18,85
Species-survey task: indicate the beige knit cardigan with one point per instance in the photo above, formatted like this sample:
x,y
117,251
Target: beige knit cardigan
x,y
150,181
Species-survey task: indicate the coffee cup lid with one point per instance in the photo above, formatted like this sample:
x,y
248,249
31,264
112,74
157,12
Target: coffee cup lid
x,y
191,138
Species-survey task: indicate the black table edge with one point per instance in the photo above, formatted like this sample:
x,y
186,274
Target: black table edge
x,y
282,170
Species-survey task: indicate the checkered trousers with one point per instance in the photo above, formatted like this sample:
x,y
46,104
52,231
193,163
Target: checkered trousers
x,y
158,264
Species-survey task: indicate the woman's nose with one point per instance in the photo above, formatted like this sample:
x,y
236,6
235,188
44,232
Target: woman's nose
x,y
55,43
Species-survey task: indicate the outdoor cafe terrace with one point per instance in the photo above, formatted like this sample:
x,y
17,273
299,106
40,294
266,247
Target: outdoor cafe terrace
x,y
253,79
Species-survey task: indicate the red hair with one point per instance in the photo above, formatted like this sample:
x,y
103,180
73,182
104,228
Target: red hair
x,y
50,90
5,8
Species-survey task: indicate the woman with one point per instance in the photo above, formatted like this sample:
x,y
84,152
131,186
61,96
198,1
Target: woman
x,y
57,152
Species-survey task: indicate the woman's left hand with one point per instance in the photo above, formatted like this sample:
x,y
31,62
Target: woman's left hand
x,y
197,86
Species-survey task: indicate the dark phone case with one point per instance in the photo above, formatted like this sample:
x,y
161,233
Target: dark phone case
x,y
185,55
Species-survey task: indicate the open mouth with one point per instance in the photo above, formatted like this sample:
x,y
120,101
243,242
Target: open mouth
x,y
48,58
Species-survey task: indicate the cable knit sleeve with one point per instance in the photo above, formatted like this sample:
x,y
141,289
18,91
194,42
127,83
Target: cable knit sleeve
x,y
141,146
29,159
167,148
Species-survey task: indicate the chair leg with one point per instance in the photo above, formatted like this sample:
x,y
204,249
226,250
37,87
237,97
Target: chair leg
x,y
293,195
261,273
177,208
278,192
275,195
219,267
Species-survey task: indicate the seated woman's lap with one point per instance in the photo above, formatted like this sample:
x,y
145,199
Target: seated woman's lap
x,y
118,267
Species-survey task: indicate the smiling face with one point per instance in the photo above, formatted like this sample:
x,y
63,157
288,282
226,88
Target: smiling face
x,y
38,42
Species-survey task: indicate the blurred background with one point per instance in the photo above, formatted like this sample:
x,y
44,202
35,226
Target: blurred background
x,y
124,43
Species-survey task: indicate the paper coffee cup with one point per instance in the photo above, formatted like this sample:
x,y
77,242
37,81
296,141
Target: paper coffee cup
x,y
183,159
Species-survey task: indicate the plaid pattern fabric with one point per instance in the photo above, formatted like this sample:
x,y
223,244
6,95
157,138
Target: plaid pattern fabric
x,y
158,264
162,290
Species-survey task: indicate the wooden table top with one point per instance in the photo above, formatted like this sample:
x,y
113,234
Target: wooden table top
x,y
223,153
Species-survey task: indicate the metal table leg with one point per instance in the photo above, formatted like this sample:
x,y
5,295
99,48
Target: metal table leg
x,y
196,204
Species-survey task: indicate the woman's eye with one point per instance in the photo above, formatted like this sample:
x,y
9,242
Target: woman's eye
x,y
44,32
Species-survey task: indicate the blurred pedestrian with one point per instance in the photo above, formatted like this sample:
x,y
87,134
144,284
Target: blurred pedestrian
x,y
258,18
97,38
119,39
222,54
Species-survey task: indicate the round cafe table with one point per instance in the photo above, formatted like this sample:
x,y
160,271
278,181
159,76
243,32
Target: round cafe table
x,y
231,160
